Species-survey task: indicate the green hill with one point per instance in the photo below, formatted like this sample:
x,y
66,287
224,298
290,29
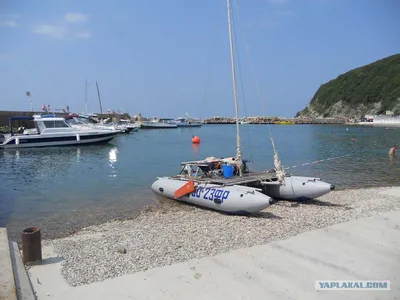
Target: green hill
x,y
371,89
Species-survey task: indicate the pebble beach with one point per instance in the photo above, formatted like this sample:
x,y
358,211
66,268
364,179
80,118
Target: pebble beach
x,y
176,232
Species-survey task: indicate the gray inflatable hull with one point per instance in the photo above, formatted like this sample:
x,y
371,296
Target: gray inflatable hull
x,y
233,199
298,188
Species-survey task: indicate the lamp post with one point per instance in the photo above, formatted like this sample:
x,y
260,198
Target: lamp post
x,y
28,93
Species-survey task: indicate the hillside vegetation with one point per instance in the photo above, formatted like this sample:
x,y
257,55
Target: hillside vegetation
x,y
371,89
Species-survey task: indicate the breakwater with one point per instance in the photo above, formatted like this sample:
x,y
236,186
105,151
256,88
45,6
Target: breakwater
x,y
275,120
213,120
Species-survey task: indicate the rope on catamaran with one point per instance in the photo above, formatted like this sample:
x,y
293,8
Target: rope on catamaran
x,y
316,161
280,171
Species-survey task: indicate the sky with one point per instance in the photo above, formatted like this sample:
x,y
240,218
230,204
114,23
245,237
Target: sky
x,y
167,58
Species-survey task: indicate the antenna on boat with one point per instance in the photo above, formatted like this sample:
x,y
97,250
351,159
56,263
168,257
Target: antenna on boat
x,y
86,95
238,147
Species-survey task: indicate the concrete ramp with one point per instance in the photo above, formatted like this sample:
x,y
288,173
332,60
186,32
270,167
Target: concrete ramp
x,y
365,249
14,281
7,284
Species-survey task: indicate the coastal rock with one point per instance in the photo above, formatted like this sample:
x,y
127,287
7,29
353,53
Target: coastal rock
x,y
121,249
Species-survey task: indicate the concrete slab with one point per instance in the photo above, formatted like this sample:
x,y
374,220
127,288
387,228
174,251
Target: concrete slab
x,y
365,249
7,284
393,192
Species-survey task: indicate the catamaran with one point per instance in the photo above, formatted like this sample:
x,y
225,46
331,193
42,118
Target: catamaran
x,y
227,184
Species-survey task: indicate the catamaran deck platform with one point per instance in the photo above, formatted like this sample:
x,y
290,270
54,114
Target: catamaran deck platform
x,y
252,177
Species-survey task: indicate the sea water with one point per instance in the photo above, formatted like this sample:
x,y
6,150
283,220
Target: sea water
x,y
44,182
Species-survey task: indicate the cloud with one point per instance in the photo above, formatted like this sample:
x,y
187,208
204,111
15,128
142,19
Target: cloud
x,y
272,19
285,13
52,31
75,17
4,56
86,34
65,28
9,23
278,1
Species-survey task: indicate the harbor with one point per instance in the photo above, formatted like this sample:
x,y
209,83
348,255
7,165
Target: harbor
x,y
129,164
4,115
162,187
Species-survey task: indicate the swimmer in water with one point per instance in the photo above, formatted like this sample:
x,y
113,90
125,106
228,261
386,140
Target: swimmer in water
x,y
392,151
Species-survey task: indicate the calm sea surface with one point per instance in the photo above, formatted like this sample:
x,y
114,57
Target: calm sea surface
x,y
85,185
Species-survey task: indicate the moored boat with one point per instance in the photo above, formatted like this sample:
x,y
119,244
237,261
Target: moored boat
x,y
129,125
160,123
187,121
84,122
52,131
284,122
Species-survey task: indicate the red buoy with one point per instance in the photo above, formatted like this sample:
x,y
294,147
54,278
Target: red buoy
x,y
195,139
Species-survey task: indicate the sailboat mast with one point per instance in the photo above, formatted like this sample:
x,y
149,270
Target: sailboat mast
x,y
86,84
98,94
238,146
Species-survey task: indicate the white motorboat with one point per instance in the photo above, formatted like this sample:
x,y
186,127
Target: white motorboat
x,y
227,185
187,121
129,125
52,131
83,122
161,123
380,120
123,127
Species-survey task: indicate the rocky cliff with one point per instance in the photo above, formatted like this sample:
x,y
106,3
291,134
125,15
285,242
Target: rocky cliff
x,y
371,89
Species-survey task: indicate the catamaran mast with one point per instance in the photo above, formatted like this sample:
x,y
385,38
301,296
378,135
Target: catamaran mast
x,y
238,147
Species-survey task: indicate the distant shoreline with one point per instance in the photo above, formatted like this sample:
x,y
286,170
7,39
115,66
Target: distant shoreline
x,y
296,122
4,115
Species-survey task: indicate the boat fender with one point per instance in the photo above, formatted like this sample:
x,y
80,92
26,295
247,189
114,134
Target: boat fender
x,y
78,138
17,141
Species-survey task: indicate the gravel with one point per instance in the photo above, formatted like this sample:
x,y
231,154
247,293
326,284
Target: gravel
x,y
178,232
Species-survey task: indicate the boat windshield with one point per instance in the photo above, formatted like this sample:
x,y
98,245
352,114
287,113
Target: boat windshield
x,y
55,124
73,121
84,121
